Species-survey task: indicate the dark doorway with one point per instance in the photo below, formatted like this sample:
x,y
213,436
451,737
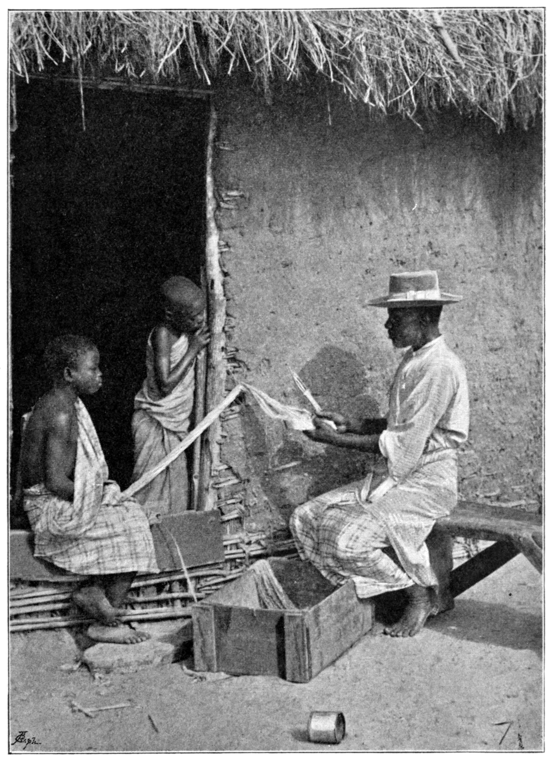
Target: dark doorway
x,y
104,206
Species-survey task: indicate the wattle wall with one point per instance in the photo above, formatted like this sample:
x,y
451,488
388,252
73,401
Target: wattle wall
x,y
333,202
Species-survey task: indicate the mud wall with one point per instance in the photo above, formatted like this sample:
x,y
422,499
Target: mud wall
x,y
319,202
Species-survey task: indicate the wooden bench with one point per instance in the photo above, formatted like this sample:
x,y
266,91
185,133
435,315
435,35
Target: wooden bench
x,y
195,538
512,530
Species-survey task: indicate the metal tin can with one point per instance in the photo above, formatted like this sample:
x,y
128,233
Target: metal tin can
x,y
326,727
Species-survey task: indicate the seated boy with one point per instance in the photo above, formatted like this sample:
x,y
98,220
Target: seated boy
x,y
80,520
164,404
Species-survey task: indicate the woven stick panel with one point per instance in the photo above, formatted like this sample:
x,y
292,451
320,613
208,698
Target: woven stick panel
x,y
162,596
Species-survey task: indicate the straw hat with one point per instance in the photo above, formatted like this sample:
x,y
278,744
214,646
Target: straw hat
x,y
409,289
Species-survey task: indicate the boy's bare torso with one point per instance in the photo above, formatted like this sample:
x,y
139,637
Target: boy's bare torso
x,y
50,436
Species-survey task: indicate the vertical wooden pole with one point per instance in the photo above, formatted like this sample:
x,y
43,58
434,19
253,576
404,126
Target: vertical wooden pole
x,y
16,507
198,414
216,370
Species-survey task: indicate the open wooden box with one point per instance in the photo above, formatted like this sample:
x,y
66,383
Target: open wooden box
x,y
232,633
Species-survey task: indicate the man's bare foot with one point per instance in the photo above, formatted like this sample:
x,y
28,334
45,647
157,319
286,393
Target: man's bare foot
x,y
92,600
118,634
422,603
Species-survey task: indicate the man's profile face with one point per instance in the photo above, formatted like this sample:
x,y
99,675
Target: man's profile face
x,y
404,327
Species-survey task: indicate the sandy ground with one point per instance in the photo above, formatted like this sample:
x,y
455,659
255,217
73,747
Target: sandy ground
x,y
470,681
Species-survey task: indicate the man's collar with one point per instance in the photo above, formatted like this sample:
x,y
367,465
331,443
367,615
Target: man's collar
x,y
427,345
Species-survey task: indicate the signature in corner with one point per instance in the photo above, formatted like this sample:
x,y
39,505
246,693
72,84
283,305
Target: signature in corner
x,y
21,738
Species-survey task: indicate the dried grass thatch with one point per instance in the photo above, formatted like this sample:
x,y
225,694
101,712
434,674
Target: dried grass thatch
x,y
487,61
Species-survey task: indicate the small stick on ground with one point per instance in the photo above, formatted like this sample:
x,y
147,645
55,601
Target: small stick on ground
x,y
75,706
508,725
110,707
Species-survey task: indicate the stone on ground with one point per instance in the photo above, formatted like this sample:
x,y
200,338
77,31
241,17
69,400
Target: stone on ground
x,y
166,645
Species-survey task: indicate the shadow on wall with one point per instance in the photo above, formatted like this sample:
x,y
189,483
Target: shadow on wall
x,y
291,474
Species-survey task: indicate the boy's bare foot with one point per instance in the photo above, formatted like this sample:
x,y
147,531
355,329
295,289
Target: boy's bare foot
x,y
422,603
92,600
118,634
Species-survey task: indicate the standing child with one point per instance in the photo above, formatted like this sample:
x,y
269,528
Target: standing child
x,y
163,406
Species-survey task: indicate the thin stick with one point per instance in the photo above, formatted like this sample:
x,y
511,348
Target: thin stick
x,y
133,615
43,599
81,709
40,623
508,725
47,607
163,597
111,84
308,394
217,582
447,40
153,599
111,707
200,393
173,576
190,584
39,591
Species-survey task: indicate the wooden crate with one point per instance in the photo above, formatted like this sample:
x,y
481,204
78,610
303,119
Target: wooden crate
x,y
233,634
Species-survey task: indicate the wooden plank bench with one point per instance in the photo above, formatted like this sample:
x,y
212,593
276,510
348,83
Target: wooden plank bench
x,y
512,530
195,538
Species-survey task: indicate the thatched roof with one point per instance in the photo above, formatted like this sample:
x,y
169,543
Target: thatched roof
x,y
487,61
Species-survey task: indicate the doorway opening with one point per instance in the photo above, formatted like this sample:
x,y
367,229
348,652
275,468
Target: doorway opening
x,y
107,201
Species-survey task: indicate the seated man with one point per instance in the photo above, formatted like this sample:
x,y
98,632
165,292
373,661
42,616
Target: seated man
x,y
378,537
80,521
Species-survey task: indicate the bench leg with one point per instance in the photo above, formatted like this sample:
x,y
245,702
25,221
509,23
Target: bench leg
x,y
529,546
483,564
440,547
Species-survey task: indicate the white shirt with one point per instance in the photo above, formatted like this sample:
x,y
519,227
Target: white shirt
x,y
428,407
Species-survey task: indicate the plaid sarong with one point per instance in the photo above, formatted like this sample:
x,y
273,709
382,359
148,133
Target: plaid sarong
x,y
381,545
98,532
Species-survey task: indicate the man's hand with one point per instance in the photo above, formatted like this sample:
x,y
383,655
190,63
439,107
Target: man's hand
x,y
345,435
325,432
342,423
